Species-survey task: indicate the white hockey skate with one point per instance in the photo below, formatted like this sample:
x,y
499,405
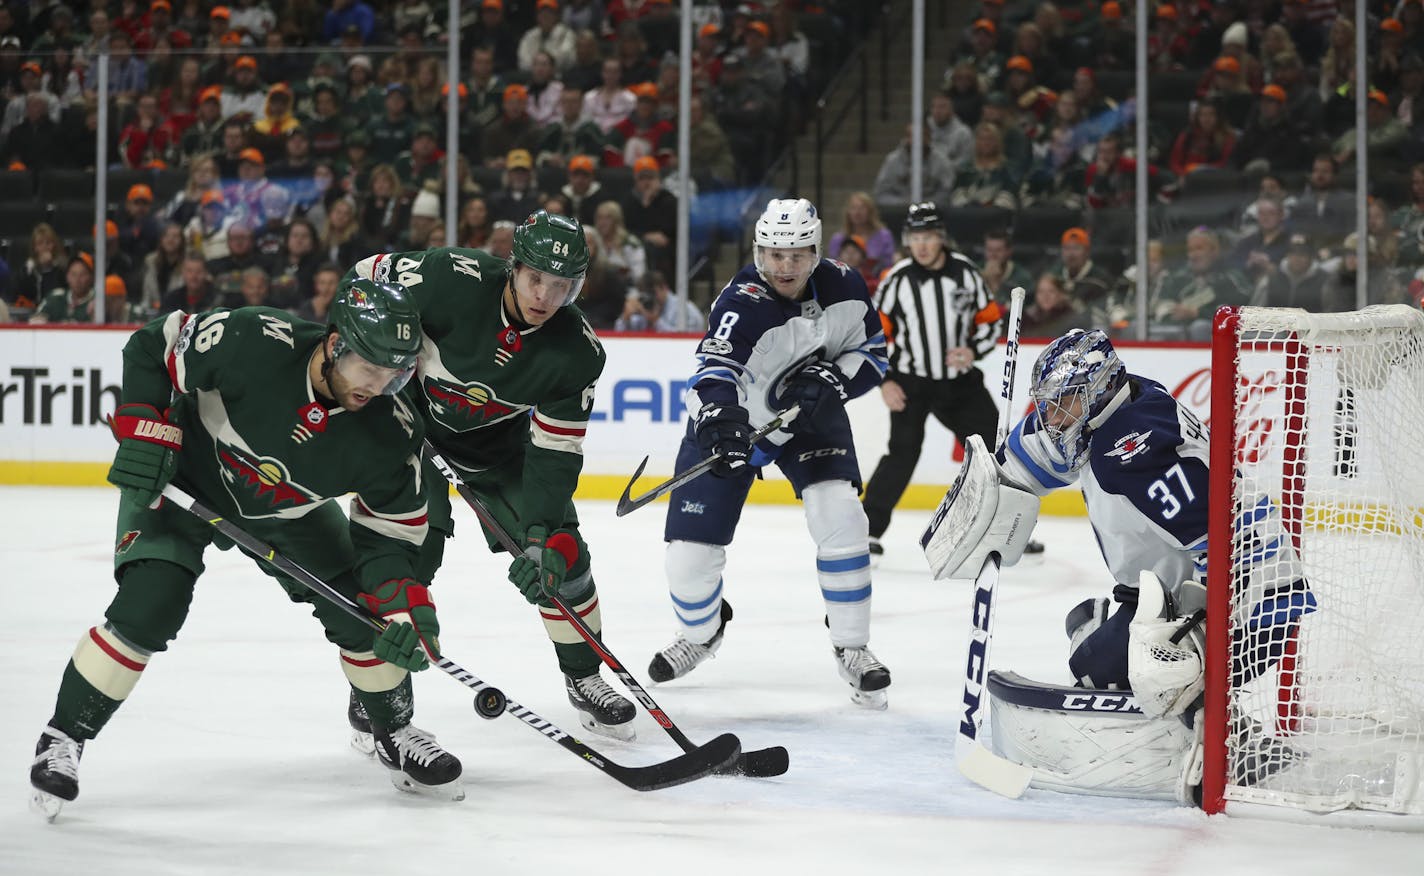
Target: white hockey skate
x,y
867,676
682,656
601,709
417,764
54,773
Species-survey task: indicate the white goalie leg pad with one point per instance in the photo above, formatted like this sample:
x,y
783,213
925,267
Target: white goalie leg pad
x,y
837,523
694,574
1094,742
1164,664
982,513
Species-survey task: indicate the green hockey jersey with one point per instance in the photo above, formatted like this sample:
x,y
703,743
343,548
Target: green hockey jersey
x,y
492,395
259,445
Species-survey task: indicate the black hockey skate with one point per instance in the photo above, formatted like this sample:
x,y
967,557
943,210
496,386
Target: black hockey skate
x,y
877,551
868,677
55,772
417,764
601,709
682,656
360,727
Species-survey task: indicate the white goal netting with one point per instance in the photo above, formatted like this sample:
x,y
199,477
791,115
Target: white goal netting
x,y
1326,692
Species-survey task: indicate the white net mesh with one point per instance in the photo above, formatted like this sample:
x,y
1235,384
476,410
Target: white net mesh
x,y
1326,699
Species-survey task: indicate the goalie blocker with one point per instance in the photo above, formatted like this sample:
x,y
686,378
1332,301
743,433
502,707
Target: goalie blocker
x,y
984,512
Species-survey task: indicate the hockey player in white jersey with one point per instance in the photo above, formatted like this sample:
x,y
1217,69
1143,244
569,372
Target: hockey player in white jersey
x,y
791,330
1141,459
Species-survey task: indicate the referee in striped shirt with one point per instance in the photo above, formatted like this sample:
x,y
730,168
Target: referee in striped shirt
x,y
940,319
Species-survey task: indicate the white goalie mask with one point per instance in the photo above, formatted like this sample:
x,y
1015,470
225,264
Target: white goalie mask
x,y
1076,381
787,224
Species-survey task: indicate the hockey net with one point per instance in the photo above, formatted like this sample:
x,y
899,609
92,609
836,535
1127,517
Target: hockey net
x,y
1315,680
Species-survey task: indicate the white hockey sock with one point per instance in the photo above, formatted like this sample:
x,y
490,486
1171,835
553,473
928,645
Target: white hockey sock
x,y
842,534
694,573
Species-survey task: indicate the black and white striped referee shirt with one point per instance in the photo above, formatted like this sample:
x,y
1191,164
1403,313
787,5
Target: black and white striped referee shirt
x,y
927,313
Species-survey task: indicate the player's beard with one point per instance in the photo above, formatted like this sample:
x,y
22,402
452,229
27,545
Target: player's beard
x,y
344,393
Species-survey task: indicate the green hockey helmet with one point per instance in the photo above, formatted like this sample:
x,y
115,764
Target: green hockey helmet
x,y
552,244
380,324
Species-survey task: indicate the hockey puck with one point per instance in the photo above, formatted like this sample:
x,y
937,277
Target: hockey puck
x,y
490,703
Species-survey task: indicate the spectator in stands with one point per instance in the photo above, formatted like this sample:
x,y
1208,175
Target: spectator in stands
x,y
117,262
245,98
196,293
1092,103
643,133
583,15
269,132
622,251
473,230
254,289
586,71
1342,278
611,102
1056,177
485,88
861,218
851,253
294,167
138,228
747,115
31,82
1113,43
1408,98
162,269
205,135
420,164
947,133
1002,112
391,131
544,90
650,212
326,280
385,210
1305,33
892,182
651,307
1387,61
1206,143
1408,220
241,255
44,268
493,32
519,196
324,124
179,102
513,131
711,158
631,52
1169,44
984,54
35,142
569,134
1303,108
1120,308
1385,135
759,65
244,197
118,310
355,170
206,232
1337,68
364,98
146,137
1085,280
234,142
1378,227
1053,311
548,34
74,301
965,92
1270,141
1030,44
345,14
254,18
424,216
128,74
1226,85
985,180
294,268
1191,294
584,192
501,240
1258,253
342,241
1298,282
1323,211
999,260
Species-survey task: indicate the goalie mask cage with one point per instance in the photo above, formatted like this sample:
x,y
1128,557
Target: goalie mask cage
x,y
1315,703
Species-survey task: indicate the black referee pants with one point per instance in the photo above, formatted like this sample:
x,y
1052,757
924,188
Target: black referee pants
x,y
965,407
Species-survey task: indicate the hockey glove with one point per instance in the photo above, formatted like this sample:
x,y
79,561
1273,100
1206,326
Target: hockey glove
x,y
724,431
148,452
410,639
546,560
819,389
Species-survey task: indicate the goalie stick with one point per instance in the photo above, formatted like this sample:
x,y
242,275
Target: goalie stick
x,y
762,762
975,762
694,764
626,504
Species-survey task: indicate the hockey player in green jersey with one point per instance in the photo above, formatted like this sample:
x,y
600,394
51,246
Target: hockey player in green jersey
x,y
266,419
505,386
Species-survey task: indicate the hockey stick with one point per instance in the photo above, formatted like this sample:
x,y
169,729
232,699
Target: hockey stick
x,y
490,702
762,762
977,763
626,504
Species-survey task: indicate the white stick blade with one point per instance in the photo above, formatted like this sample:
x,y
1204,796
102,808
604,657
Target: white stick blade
x,y
987,770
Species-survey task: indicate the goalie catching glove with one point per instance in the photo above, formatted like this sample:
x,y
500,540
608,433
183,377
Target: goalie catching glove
x,y
983,513
1164,647
410,639
546,560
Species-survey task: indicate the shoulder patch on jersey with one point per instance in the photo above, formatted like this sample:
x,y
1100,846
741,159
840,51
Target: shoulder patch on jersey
x,y
1130,445
840,266
382,272
753,291
716,347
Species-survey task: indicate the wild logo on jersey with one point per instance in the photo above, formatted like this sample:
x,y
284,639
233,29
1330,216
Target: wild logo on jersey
x,y
461,407
261,485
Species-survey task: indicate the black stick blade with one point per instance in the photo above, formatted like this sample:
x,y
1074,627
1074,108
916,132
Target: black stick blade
x,y
625,503
704,760
764,762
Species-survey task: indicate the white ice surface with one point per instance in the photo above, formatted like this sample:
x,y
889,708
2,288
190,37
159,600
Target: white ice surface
x,y
231,755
